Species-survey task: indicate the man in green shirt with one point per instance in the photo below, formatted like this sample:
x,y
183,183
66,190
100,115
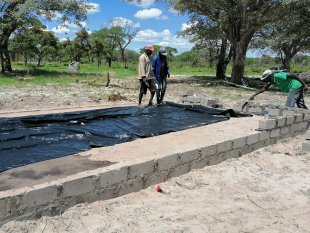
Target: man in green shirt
x,y
290,83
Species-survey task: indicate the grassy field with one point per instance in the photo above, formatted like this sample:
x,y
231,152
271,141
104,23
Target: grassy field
x,y
58,74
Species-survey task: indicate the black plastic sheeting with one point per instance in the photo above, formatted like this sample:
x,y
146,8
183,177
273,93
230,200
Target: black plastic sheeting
x,y
26,140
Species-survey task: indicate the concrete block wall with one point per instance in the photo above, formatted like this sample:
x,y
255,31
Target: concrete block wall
x,y
50,199
306,143
188,98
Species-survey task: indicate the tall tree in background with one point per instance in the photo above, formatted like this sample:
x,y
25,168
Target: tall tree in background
x,y
18,14
207,36
285,38
98,47
238,20
81,45
127,34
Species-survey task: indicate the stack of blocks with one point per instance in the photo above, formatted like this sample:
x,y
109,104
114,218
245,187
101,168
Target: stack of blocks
x,y
188,98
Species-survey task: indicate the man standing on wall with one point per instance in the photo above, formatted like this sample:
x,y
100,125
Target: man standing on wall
x,y
146,75
290,83
161,71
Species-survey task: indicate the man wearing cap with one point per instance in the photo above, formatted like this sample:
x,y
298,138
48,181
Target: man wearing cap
x,y
161,71
290,83
146,75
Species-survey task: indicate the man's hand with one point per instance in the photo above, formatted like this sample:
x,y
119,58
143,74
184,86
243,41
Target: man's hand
x,y
146,82
168,75
306,87
252,97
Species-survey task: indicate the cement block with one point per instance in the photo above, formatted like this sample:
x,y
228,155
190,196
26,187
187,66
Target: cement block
x,y
202,101
256,110
183,93
239,142
246,150
114,176
274,133
130,187
156,179
271,142
302,127
216,159
238,108
3,212
288,113
285,130
299,117
267,124
281,121
232,154
294,128
208,151
306,145
178,171
264,135
258,146
79,186
290,120
39,196
140,168
197,100
308,135
189,156
224,146
189,93
198,164
217,99
275,112
210,102
190,98
307,117
167,162
253,138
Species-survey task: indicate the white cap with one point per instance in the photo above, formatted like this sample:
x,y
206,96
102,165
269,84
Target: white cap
x,y
266,74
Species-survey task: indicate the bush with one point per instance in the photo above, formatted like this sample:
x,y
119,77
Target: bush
x,y
65,64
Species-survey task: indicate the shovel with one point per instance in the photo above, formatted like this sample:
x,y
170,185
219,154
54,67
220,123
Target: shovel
x,y
243,106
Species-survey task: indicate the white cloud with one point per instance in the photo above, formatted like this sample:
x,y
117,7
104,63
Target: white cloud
x,y
122,22
173,11
144,3
147,14
96,8
64,39
60,30
73,25
187,25
162,17
53,15
163,38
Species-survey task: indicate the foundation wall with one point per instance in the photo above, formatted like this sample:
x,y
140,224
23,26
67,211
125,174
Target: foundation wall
x,y
50,199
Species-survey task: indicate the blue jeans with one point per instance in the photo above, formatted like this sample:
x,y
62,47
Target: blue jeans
x,y
161,84
296,96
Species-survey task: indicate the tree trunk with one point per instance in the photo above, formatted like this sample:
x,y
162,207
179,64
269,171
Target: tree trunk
x,y
6,58
239,54
25,58
2,61
223,60
109,61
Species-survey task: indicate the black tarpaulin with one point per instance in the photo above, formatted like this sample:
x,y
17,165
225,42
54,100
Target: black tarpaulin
x,y
26,140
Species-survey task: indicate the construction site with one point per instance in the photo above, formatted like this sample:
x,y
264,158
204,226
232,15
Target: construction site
x,y
92,166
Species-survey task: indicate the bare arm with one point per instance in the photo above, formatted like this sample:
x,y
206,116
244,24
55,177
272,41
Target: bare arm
x,y
260,91
295,76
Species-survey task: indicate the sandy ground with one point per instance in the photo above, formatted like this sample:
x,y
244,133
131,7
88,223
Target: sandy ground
x,y
265,191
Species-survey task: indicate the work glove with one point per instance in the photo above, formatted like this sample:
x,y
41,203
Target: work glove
x,y
168,75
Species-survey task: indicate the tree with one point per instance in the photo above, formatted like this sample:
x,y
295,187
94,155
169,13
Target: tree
x,y
127,34
81,45
207,37
238,20
99,48
285,39
112,38
19,14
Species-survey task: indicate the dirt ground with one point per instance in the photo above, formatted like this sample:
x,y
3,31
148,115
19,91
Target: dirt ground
x,y
264,191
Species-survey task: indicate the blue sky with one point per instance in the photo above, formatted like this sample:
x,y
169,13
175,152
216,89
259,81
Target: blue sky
x,y
157,24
